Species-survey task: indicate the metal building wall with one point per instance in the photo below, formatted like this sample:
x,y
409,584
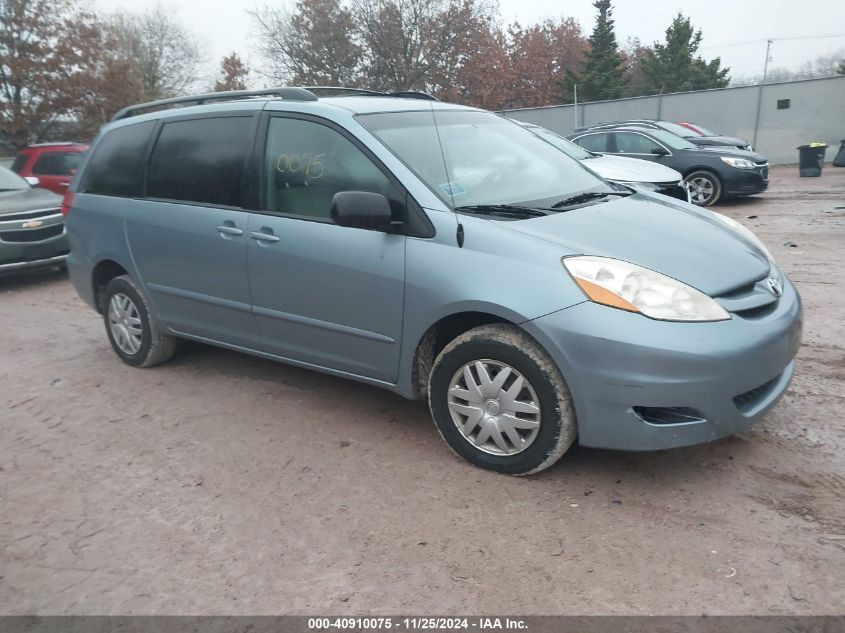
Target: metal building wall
x,y
816,113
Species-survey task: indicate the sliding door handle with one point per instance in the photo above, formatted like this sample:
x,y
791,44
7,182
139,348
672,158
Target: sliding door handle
x,y
263,237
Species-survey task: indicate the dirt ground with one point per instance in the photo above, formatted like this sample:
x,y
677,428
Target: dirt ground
x,y
223,484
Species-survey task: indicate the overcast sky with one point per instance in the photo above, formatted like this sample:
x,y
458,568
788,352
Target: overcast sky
x,y
734,30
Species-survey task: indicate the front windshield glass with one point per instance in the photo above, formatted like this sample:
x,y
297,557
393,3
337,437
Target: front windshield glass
x,y
678,129
10,181
705,131
484,159
672,140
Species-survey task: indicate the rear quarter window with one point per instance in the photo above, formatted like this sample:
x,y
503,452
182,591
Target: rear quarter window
x,y
116,165
20,161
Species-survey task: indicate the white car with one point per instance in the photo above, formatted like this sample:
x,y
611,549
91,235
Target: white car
x,y
640,174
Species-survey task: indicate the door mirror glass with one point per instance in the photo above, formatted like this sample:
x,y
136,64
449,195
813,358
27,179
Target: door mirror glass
x,y
361,210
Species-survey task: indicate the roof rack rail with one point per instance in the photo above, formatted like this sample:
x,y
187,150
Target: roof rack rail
x,y
364,92
289,94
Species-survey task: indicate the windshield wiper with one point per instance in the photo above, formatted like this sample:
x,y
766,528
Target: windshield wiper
x,y
586,197
504,209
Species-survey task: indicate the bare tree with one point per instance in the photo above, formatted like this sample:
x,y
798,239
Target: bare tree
x,y
233,74
405,41
313,45
165,54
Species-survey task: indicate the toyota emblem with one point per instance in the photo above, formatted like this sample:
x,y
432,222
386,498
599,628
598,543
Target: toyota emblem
x,y
774,286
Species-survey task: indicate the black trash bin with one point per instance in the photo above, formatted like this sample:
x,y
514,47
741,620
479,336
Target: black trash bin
x,y
839,161
811,159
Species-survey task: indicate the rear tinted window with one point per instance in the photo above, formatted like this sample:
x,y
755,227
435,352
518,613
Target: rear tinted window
x,y
116,167
56,163
200,160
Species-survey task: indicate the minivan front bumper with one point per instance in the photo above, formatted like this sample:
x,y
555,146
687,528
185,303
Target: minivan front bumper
x,y
642,384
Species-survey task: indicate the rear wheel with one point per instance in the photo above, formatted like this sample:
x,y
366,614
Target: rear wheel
x,y
500,402
133,336
705,188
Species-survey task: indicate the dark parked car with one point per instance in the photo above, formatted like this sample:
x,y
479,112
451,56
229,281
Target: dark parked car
x,y
32,232
695,134
49,165
712,174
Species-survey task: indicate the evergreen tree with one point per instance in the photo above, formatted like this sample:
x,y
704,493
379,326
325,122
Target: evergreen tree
x,y
674,66
601,76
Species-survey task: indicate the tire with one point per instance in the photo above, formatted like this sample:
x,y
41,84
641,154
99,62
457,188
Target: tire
x,y
706,185
497,347
149,345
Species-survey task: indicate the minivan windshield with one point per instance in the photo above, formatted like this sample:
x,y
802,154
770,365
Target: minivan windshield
x,y
564,145
10,181
481,158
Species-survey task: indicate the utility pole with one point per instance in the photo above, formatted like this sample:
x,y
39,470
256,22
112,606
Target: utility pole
x,y
575,92
760,95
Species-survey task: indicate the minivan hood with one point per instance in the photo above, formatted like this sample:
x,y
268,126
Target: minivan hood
x,y
624,169
678,240
33,199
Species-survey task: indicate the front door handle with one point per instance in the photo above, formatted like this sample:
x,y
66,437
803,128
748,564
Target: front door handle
x,y
263,237
228,229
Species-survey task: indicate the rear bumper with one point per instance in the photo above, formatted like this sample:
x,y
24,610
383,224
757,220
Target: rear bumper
x,y
629,375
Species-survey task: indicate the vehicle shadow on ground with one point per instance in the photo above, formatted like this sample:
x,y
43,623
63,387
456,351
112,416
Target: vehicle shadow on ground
x,y
372,406
29,280
748,203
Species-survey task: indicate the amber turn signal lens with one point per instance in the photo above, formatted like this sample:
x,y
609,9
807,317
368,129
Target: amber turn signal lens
x,y
605,297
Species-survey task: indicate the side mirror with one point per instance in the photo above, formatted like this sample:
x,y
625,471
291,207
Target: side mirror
x,y
660,151
362,210
32,180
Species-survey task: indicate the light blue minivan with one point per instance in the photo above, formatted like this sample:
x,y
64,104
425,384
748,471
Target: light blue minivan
x,y
440,251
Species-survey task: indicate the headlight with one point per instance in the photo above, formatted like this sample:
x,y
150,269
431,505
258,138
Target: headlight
x,y
739,163
746,233
625,286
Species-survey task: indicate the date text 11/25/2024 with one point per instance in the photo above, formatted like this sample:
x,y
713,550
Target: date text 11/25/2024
x,y
417,623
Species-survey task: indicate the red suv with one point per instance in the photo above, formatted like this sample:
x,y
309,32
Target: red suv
x,y
49,165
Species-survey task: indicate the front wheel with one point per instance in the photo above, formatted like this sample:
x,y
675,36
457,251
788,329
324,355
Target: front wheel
x,y
133,335
500,402
705,188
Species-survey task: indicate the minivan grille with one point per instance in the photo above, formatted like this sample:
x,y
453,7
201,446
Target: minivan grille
x,y
31,235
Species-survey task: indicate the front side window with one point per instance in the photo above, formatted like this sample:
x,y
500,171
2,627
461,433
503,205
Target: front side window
x,y
593,142
200,160
630,143
307,163
471,157
117,163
